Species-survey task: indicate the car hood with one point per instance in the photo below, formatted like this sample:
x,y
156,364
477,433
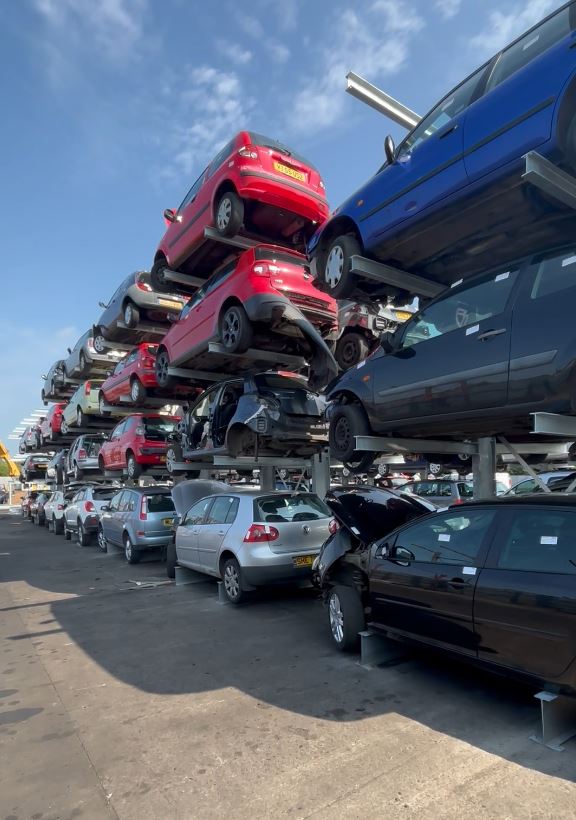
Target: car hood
x,y
187,493
370,513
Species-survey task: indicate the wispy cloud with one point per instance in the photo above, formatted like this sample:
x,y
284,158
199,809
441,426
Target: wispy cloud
x,y
278,52
448,8
503,27
234,52
374,45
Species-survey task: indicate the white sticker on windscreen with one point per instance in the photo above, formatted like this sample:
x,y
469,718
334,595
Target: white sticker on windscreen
x,y
549,539
568,261
502,276
443,536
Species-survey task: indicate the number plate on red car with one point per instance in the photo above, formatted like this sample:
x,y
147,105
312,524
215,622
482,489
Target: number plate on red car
x,y
290,172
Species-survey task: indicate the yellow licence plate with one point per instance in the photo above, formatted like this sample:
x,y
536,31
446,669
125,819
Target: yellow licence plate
x,y
168,303
162,459
303,560
402,315
290,172
168,522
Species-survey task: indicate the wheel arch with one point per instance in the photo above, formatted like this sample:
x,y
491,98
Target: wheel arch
x,y
224,556
343,574
223,188
336,227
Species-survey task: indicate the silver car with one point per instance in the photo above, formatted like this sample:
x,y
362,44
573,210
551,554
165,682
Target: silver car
x,y
133,301
137,519
82,513
82,456
252,538
83,358
55,507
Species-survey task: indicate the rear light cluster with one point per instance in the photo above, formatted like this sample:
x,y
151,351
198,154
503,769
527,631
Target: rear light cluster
x,y
248,152
89,506
87,388
142,285
143,508
148,361
265,269
333,527
81,454
90,344
261,533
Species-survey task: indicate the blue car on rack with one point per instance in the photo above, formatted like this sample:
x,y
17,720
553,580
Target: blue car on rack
x,y
450,199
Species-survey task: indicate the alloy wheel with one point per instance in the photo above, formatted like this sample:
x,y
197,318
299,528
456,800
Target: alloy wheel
x,y
99,343
128,550
231,582
230,327
334,266
79,417
336,618
162,368
224,214
134,392
102,543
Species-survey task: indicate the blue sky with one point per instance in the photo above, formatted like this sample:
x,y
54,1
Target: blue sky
x,y
111,108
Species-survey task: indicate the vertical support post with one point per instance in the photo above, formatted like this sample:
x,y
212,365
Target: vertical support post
x,y
321,474
267,479
484,468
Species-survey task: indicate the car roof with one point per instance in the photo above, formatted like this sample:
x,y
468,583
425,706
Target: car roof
x,y
530,499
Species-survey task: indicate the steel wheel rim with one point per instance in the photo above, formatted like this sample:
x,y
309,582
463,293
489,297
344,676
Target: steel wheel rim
x,y
134,392
230,328
99,345
342,435
336,618
162,368
131,467
101,540
79,534
231,582
224,214
334,266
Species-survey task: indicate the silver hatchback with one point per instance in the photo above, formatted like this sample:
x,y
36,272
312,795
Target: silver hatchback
x,y
137,519
252,538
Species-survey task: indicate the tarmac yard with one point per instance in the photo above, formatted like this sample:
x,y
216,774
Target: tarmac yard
x,y
124,696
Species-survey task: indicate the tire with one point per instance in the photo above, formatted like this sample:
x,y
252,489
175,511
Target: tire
x,y
82,537
131,315
82,363
435,468
102,542
339,281
351,349
99,342
173,454
164,379
229,214
345,617
132,555
78,473
235,329
67,533
157,278
171,560
137,392
56,526
101,403
133,469
81,418
348,421
232,581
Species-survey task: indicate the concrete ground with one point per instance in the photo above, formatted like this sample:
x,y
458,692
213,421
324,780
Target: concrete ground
x,y
119,700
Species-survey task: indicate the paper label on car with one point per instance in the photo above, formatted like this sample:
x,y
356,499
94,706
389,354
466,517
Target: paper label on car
x,y
472,329
456,283
468,570
549,539
355,530
568,261
358,366
443,536
502,276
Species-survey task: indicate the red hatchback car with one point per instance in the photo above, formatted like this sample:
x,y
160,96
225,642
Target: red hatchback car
x,y
51,424
251,301
136,443
253,182
134,379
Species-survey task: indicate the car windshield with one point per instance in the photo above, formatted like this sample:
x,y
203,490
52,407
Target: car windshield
x,y
158,429
160,502
289,507
273,255
266,142
103,493
38,459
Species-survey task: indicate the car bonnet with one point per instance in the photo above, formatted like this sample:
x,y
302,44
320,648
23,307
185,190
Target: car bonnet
x,y
187,493
370,513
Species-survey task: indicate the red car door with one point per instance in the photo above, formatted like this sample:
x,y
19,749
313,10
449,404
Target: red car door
x,y
125,441
112,390
111,455
188,225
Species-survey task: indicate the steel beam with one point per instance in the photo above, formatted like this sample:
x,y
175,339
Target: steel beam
x,y
201,375
377,99
553,424
141,327
377,271
282,359
183,278
382,444
236,241
484,469
514,451
549,178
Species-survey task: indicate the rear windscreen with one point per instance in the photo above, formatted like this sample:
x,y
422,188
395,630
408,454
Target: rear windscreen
x,y
158,429
160,503
103,493
266,142
92,448
288,507
272,255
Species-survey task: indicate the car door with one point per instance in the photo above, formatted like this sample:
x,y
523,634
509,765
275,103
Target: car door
x,y
117,444
542,347
182,234
525,605
452,358
72,511
428,167
213,530
114,382
188,532
515,113
123,387
110,520
424,587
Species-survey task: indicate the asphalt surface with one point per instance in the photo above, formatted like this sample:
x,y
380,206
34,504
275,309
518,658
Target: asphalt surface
x,y
144,701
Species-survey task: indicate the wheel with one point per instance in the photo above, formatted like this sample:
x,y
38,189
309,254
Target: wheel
x,y
137,391
351,349
229,214
102,405
82,362
157,278
102,542
232,579
235,329
82,537
59,476
67,532
51,436
173,455
78,473
56,526
435,468
348,421
163,378
81,418
131,315
346,617
133,469
99,342
132,555
336,274
171,560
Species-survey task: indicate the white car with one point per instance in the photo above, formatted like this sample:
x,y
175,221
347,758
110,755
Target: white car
x,y
54,510
82,514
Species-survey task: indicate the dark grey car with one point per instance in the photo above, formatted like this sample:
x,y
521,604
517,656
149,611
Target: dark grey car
x,y
133,301
83,359
54,383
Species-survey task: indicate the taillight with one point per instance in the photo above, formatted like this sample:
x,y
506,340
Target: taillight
x,y
457,501
260,533
148,362
81,453
139,430
248,152
90,344
142,285
333,527
87,388
60,507
265,269
89,506
143,508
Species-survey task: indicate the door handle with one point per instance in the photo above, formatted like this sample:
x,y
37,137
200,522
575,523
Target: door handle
x,y
449,130
490,334
221,532
457,583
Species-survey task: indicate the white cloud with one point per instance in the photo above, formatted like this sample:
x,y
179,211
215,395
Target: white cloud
x,y
375,45
234,52
448,8
502,28
278,52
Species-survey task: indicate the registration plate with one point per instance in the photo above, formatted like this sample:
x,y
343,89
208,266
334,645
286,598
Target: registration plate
x,y
162,459
168,303
168,522
290,172
303,560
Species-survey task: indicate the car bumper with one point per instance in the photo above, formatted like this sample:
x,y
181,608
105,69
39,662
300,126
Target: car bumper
x,y
151,459
286,194
90,523
143,542
278,574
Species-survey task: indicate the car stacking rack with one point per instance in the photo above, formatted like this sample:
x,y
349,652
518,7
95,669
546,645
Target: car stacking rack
x,y
239,363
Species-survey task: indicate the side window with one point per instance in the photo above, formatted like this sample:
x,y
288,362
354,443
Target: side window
x,y
458,99
192,192
530,46
118,430
462,309
123,501
524,487
114,502
219,158
540,540
131,358
196,513
449,538
220,277
223,510
555,274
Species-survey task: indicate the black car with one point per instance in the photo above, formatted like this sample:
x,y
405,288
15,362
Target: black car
x,y
265,414
55,468
55,388
493,582
478,360
34,466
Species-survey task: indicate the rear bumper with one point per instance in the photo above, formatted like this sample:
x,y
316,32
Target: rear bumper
x,y
144,542
278,574
287,195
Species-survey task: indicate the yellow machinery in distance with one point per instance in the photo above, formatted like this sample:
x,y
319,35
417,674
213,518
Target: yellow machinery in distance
x,y
13,470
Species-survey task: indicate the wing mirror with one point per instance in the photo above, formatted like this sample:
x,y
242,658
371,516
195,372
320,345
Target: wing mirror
x,y
388,342
400,555
69,349
170,215
390,150
105,508
177,520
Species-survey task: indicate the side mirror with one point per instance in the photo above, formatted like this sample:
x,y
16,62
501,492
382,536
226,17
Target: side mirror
x,y
170,215
105,508
401,555
177,519
390,150
388,342
69,349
